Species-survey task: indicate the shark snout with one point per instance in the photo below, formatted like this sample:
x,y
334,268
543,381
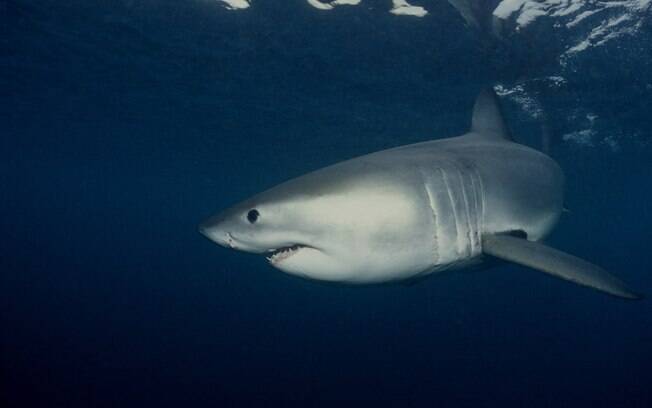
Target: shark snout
x,y
220,229
213,229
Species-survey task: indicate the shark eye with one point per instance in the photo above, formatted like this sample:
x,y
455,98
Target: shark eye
x,y
252,215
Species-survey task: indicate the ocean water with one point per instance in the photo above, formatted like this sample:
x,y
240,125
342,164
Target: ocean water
x,y
125,123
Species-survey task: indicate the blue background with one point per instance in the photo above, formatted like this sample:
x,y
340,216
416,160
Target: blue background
x,y
123,124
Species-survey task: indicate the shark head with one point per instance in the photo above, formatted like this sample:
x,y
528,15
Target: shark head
x,y
278,228
338,224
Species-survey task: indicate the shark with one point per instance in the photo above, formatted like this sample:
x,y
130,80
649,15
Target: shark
x,y
402,214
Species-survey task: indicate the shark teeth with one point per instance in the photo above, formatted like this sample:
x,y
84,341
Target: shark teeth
x,y
278,255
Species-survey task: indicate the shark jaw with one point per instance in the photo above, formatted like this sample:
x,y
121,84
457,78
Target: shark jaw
x,y
276,256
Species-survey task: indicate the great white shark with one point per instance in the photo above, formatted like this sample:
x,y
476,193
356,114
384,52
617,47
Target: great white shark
x,y
404,213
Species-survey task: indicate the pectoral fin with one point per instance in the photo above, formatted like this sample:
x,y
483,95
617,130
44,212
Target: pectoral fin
x,y
556,263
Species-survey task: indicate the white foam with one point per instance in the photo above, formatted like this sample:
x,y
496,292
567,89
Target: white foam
x,y
616,18
346,2
583,15
236,4
403,8
520,96
607,31
573,7
321,5
580,137
508,7
527,11
557,81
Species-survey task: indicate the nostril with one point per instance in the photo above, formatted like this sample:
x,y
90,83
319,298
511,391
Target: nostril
x,y
229,240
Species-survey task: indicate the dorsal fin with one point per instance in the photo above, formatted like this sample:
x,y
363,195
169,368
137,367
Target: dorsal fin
x,y
488,121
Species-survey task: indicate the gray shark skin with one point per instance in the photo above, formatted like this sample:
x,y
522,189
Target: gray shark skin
x,y
414,210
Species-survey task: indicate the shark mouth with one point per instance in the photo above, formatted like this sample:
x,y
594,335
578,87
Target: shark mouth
x,y
283,253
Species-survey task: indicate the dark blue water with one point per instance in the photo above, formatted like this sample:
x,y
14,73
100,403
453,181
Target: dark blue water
x,y
124,123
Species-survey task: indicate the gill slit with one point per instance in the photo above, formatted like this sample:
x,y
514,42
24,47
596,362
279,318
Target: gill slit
x,y
469,226
475,243
481,221
452,201
435,221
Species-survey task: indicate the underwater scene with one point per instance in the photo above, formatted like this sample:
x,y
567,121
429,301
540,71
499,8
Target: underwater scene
x,y
314,203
